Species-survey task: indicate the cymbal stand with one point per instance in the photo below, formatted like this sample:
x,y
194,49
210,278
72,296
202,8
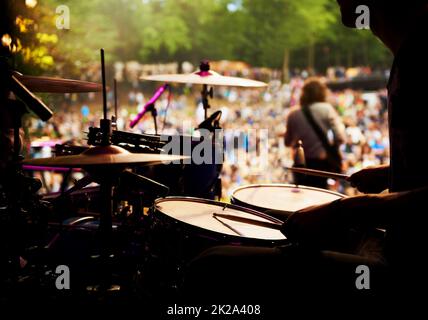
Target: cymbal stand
x,y
206,93
114,118
105,176
105,123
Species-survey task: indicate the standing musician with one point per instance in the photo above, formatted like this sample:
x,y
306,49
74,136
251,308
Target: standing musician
x,y
316,265
311,123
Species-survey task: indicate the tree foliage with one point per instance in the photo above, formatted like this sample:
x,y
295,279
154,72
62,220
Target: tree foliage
x,y
150,31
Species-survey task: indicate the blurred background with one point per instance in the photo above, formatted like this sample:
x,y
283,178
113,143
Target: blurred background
x,y
280,42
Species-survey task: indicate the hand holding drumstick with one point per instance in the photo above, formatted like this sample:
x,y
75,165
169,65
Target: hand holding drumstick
x,y
368,180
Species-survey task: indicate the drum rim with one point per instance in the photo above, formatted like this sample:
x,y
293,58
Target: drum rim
x,y
285,185
209,201
229,205
237,201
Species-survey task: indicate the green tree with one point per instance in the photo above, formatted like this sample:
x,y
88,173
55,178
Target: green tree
x,y
266,33
273,31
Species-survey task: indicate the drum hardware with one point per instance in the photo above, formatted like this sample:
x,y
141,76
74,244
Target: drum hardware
x,y
206,77
143,143
78,185
23,86
114,117
80,202
45,168
188,179
211,123
206,93
135,192
31,101
150,107
68,150
136,181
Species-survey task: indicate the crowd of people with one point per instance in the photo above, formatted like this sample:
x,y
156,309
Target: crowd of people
x,y
253,122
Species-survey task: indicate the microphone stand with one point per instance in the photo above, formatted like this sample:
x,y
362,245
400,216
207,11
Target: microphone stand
x,y
151,108
154,113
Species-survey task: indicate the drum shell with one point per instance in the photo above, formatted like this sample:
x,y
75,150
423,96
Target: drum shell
x,y
171,244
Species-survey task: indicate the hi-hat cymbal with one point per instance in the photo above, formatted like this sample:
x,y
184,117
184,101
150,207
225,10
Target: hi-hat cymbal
x,y
103,156
210,78
57,85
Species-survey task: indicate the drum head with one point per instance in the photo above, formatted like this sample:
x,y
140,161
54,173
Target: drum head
x,y
289,198
199,213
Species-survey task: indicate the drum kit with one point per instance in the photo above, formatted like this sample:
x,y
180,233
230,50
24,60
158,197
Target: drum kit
x,y
166,205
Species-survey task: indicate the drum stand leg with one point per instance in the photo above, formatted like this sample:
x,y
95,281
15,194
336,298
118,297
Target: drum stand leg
x,y
105,233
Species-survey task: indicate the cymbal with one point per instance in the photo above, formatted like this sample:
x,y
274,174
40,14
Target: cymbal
x,y
57,85
103,156
207,77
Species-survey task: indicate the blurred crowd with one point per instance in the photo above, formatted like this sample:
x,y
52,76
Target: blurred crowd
x,y
253,122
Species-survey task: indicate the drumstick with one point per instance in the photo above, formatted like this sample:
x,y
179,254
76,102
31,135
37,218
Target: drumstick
x,y
227,226
270,225
319,173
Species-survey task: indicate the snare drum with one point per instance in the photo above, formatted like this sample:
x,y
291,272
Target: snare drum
x,y
183,227
282,198
180,228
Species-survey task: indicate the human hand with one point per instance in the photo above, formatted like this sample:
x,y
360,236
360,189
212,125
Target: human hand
x,y
371,179
322,226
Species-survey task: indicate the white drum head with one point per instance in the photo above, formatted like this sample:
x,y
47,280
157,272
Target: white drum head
x,y
199,213
283,197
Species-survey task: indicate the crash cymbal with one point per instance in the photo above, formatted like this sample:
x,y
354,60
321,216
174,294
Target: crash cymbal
x,y
56,85
210,78
102,156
